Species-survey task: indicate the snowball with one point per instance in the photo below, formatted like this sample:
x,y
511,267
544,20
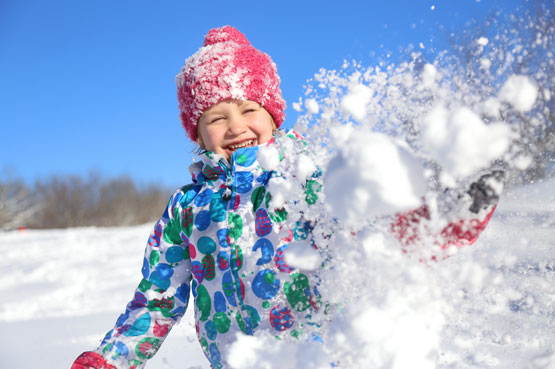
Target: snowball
x,y
305,167
312,106
280,189
485,63
520,92
482,41
429,74
340,136
354,103
297,106
546,94
268,157
522,162
302,256
372,175
491,107
461,143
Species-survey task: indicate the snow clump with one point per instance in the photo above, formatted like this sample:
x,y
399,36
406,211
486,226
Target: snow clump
x,y
461,142
312,106
303,256
371,175
355,102
519,91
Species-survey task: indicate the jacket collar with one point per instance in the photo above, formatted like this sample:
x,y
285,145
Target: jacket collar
x,y
208,161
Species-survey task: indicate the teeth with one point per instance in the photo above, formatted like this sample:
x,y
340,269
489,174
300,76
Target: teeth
x,y
242,144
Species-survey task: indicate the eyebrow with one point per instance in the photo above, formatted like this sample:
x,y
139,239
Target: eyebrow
x,y
249,103
212,112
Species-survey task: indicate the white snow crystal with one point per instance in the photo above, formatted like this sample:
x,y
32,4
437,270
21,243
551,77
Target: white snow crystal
x,y
491,107
312,106
429,75
546,94
354,103
482,41
372,175
268,157
520,92
302,256
522,162
280,190
305,167
461,142
485,63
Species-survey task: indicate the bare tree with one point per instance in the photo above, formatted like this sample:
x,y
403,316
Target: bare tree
x,y
75,201
16,204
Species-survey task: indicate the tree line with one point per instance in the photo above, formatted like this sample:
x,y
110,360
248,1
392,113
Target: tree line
x,y
78,201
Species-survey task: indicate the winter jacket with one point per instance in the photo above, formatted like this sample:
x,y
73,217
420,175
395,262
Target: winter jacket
x,y
220,240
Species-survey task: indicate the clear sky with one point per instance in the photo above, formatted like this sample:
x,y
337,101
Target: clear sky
x,y
90,84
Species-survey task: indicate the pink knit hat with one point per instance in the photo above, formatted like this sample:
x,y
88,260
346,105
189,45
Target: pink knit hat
x,y
227,67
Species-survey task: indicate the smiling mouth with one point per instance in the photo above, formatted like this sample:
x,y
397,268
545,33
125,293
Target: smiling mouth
x,y
248,143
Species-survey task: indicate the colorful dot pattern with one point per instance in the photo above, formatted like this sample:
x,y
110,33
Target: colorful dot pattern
x,y
228,252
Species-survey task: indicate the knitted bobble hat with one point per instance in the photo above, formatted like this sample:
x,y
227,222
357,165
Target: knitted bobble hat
x,y
227,67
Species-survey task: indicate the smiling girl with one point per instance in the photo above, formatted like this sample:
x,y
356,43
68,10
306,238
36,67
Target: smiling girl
x,y
218,238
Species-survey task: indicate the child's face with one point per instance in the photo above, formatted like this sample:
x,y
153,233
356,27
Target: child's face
x,y
233,124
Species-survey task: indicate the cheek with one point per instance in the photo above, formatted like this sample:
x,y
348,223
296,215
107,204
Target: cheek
x,y
266,135
210,137
264,130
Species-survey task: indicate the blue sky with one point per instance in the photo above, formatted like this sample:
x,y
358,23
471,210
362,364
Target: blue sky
x,y
89,85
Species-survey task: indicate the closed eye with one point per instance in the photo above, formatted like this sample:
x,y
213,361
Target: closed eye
x,y
215,119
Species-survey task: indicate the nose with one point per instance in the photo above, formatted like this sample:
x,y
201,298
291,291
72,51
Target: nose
x,y
237,124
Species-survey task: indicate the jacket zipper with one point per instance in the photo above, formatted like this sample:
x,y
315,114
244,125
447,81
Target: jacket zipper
x,y
228,195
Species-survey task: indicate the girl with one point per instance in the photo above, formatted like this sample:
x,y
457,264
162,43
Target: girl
x,y
219,237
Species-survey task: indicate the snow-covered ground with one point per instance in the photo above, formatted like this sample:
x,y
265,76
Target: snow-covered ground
x,y
505,318
63,289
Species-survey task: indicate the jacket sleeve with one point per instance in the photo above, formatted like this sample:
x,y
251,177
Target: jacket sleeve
x,y
414,229
159,301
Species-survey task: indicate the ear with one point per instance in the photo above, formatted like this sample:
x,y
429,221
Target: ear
x,y
200,142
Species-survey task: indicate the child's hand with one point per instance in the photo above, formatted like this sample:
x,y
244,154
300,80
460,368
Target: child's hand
x,y
91,360
486,190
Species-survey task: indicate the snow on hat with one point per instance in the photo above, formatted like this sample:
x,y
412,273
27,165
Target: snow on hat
x,y
227,67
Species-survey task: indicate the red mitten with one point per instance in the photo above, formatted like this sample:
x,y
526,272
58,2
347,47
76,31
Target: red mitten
x,y
91,360
411,230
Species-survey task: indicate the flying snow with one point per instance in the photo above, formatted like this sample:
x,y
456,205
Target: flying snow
x,y
461,142
371,175
519,91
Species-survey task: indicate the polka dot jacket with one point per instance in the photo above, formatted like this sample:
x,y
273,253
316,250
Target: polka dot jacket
x,y
219,241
